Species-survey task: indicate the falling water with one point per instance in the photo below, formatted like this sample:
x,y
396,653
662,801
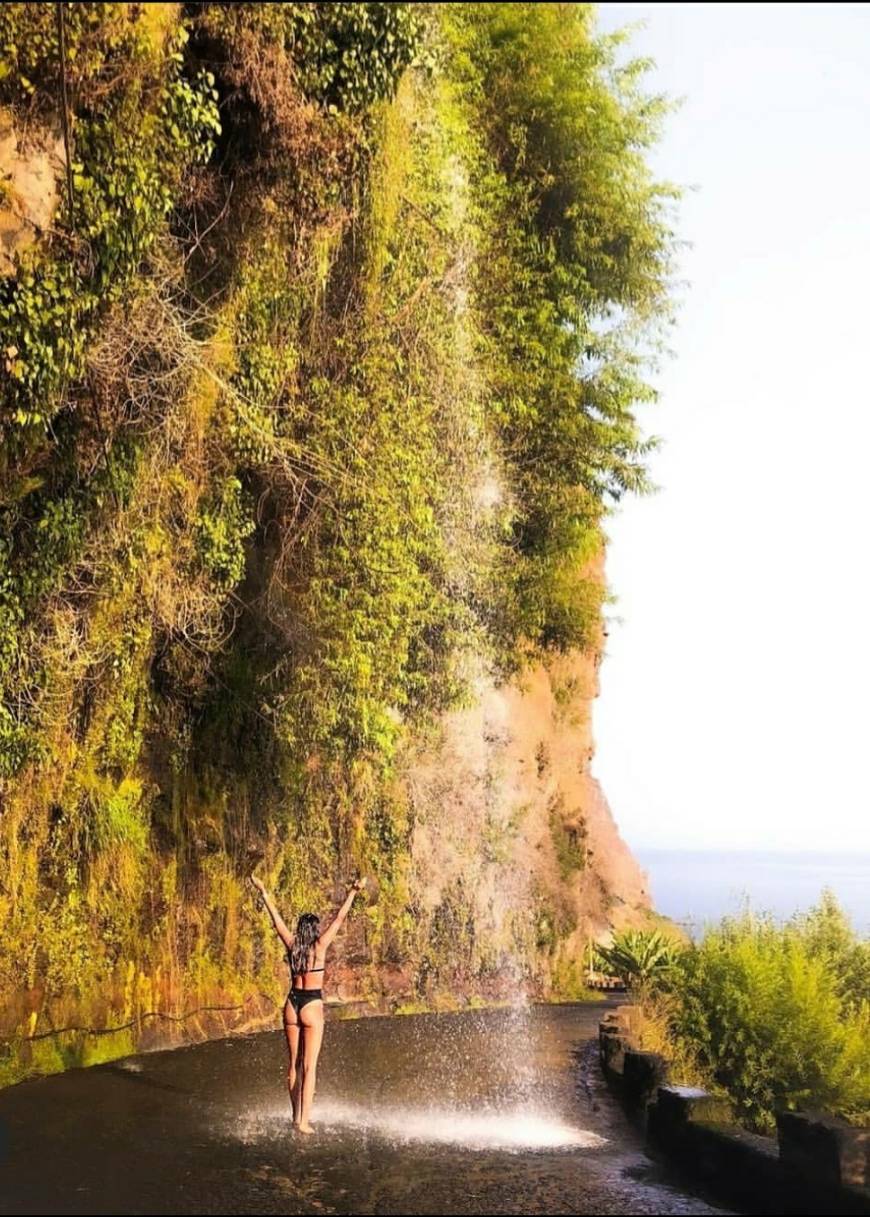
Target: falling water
x,y
402,1125
482,1080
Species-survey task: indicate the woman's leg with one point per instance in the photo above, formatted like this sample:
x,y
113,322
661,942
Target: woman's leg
x,y
296,1093
311,1018
292,1031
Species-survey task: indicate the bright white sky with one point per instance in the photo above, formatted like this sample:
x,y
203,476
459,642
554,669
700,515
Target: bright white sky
x,y
733,711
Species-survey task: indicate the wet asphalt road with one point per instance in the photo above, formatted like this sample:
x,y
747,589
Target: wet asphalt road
x,y
481,1112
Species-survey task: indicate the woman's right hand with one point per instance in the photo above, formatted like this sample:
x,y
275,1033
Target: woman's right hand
x,y
358,884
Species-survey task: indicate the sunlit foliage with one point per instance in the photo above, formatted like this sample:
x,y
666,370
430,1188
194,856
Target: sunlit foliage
x,y
313,402
777,1015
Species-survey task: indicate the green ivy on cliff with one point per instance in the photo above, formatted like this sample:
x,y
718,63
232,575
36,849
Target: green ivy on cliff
x,y
312,414
576,267
139,122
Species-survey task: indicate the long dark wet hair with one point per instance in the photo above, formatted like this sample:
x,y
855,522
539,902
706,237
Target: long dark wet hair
x,y
307,933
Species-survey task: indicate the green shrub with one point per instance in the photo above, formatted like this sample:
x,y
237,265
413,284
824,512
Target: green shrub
x,y
572,287
222,526
828,935
763,1008
346,56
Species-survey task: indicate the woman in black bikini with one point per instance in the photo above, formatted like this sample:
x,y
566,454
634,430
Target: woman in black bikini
x,y
303,1009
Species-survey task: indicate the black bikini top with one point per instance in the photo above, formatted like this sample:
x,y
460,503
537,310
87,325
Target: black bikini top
x,y
302,975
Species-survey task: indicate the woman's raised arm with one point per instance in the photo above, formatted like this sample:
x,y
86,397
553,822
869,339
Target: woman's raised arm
x,y
277,920
328,935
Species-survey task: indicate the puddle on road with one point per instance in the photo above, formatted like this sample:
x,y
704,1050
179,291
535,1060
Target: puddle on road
x,y
504,1130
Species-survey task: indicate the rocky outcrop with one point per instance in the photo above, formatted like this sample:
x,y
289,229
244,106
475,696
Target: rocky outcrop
x,y
29,172
509,816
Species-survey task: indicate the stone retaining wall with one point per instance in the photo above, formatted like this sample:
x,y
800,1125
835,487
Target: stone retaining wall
x,y
815,1164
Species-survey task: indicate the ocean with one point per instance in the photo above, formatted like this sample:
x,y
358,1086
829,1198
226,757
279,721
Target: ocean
x,y
694,887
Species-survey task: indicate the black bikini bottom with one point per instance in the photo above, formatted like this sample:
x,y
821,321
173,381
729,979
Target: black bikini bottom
x,y
301,997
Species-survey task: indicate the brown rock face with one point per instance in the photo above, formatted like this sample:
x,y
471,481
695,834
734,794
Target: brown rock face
x,y
28,188
511,825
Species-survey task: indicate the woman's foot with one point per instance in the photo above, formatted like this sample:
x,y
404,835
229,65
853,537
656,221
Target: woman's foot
x,y
304,1128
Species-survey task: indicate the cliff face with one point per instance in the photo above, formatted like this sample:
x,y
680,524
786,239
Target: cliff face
x,y
513,829
515,859
314,397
